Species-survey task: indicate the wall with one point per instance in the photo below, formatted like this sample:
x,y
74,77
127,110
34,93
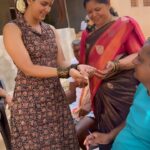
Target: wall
x,y
4,13
140,13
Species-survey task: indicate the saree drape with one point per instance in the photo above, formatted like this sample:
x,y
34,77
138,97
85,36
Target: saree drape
x,y
112,97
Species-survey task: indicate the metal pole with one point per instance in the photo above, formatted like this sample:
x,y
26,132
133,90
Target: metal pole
x,y
66,11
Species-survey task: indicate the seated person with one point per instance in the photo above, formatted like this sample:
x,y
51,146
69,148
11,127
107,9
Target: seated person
x,y
78,97
80,103
136,132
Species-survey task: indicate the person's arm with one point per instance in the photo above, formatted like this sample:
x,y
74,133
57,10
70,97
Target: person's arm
x,y
115,131
18,52
103,138
71,92
127,62
132,46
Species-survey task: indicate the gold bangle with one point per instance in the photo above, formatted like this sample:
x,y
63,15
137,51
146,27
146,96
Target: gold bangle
x,y
63,72
117,65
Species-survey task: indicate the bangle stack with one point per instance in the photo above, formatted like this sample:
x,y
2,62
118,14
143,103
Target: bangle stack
x,y
116,67
63,72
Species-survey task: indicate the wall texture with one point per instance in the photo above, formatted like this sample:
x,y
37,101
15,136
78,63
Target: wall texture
x,y
140,13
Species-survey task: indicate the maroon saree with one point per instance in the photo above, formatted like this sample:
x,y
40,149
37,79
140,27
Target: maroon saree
x,y
112,97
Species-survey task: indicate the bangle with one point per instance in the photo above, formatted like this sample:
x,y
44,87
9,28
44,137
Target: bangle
x,y
116,66
63,72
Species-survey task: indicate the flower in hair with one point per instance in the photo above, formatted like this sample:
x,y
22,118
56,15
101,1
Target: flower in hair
x,y
20,5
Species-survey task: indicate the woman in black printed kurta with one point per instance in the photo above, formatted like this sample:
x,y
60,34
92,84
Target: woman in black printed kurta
x,y
40,116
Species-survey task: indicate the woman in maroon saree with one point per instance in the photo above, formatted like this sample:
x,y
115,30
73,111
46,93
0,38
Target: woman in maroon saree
x,y
110,48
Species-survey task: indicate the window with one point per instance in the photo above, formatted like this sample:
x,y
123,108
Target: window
x,y
134,3
146,2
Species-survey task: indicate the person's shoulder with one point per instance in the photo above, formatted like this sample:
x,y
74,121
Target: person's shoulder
x,y
11,27
128,20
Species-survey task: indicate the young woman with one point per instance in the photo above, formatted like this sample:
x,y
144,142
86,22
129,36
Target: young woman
x,y
40,116
110,48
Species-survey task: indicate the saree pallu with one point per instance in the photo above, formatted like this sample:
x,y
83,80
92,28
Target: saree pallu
x,y
112,97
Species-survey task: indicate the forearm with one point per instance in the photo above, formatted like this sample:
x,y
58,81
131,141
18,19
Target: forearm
x,y
126,63
115,131
71,92
39,71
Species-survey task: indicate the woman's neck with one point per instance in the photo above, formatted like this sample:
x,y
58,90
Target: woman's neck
x,y
110,19
30,20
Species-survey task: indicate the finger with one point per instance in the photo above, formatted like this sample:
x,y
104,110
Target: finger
x,y
102,72
87,147
99,75
109,64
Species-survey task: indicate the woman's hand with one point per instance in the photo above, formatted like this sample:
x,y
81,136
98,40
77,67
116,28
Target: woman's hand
x,y
79,78
86,70
97,138
102,74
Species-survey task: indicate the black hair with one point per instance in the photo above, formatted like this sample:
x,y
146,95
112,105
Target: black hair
x,y
112,11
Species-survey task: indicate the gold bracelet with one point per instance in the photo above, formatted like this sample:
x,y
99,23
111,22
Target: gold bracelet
x,y
117,66
63,72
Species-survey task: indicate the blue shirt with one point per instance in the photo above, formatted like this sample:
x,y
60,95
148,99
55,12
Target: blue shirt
x,y
136,134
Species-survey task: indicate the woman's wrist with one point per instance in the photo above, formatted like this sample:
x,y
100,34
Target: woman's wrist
x,y
117,66
64,72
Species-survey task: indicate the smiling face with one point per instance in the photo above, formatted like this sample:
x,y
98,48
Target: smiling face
x,y
98,12
142,65
39,8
